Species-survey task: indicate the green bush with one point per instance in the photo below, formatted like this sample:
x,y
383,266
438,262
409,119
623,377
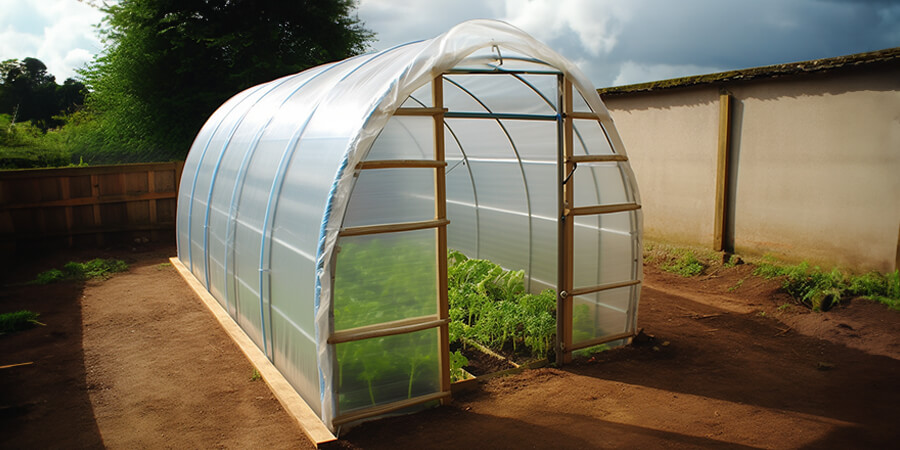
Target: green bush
x,y
23,145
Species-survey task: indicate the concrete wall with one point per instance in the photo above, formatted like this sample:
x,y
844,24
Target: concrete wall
x,y
815,165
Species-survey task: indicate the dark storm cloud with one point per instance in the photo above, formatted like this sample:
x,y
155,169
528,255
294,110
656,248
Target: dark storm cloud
x,y
619,42
733,35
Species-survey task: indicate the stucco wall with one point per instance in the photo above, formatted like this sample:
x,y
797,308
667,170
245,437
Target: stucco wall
x,y
671,143
815,165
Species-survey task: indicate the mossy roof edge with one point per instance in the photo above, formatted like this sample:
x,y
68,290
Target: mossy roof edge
x,y
889,55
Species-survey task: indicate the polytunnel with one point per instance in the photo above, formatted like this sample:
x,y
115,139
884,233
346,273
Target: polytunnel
x,y
318,210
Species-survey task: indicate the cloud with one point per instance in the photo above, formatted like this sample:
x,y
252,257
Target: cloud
x,y
58,32
596,23
631,72
401,21
613,41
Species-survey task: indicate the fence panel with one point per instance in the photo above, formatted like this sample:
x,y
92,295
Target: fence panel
x,y
88,204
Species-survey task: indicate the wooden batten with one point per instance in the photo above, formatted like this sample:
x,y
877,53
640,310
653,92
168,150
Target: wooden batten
x,y
401,164
604,209
598,158
392,228
83,201
437,110
603,287
601,340
387,329
582,115
384,409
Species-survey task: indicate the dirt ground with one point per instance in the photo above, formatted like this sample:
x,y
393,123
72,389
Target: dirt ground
x,y
136,361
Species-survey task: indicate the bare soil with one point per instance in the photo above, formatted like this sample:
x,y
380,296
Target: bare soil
x,y
136,361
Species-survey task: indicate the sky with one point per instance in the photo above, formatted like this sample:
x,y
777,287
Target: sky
x,y
615,42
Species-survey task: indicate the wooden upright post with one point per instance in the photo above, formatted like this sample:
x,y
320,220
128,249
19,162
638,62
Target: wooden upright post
x,y
722,168
65,193
440,213
154,220
95,194
566,229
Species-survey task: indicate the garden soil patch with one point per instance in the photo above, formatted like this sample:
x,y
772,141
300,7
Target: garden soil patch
x,y
136,361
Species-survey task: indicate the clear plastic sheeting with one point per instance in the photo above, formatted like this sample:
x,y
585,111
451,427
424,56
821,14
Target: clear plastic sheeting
x,y
385,278
604,313
311,207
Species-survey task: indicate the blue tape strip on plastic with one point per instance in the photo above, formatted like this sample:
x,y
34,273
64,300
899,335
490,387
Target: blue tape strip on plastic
x,y
197,174
320,262
215,173
239,180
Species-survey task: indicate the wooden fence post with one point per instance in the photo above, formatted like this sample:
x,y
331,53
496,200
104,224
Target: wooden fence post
x,y
722,171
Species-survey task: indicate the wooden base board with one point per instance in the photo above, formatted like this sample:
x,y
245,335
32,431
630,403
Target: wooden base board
x,y
311,425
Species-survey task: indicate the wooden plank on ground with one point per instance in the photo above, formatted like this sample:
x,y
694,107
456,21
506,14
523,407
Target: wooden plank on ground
x,y
296,407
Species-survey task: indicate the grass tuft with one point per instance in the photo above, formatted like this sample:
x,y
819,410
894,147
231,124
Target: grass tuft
x,y
685,264
822,290
95,268
18,321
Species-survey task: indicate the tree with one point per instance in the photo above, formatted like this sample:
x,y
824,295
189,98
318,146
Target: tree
x,y
170,63
29,93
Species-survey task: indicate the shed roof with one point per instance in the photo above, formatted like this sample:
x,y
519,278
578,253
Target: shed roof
x,y
889,56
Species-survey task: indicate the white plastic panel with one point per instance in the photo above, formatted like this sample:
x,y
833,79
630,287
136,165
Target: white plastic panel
x,y
294,349
543,254
599,184
504,237
579,104
482,139
542,190
535,140
500,184
500,93
604,249
462,233
404,137
386,196
589,138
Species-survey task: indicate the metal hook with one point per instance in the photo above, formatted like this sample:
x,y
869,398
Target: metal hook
x,y
499,56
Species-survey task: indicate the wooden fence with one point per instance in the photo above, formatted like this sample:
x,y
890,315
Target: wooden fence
x,y
88,205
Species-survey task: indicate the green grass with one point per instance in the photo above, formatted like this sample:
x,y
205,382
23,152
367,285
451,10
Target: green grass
x,y
18,321
736,285
95,268
820,290
684,263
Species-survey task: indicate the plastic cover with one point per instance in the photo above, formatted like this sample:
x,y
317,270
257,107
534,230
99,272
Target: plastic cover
x,y
270,182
